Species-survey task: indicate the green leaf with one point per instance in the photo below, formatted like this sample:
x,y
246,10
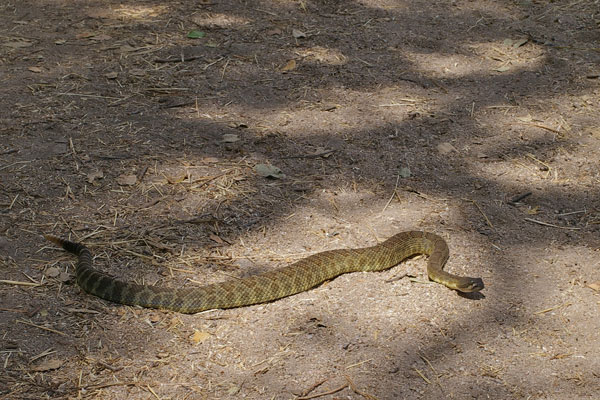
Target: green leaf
x,y
196,34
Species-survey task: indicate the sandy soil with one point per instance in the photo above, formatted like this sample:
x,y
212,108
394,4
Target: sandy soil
x,y
477,120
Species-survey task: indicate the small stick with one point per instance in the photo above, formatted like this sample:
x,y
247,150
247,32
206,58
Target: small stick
x,y
358,363
393,194
44,353
397,278
314,396
571,213
176,59
9,282
13,310
545,127
551,308
355,390
437,379
487,220
108,366
313,387
141,174
535,221
482,213
41,327
428,363
153,392
322,154
539,161
415,280
422,376
224,68
12,203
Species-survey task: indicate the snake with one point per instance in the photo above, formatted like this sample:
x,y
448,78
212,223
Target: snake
x,y
275,284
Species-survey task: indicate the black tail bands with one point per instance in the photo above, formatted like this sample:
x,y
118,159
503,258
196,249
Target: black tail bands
x,y
89,279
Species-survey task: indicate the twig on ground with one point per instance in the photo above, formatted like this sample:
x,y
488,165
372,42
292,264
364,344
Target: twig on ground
x,y
41,327
360,392
552,308
422,376
21,283
315,385
316,155
175,59
487,220
314,396
393,194
535,221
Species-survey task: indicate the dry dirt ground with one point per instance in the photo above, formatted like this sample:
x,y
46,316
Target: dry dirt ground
x,y
477,120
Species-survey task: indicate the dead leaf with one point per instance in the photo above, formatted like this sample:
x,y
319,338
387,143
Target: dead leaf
x,y
445,148
594,286
18,44
99,12
101,37
269,171
404,172
234,389
60,42
520,42
199,337
127,180
52,272
111,75
533,211
154,318
37,70
85,35
48,365
321,152
298,34
230,138
526,118
289,66
216,239
137,72
64,277
92,176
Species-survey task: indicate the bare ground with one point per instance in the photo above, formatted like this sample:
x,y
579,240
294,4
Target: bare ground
x,y
120,131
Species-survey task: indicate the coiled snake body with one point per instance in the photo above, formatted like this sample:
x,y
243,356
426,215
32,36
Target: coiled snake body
x,y
295,278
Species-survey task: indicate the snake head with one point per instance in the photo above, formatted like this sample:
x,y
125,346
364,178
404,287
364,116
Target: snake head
x,y
474,285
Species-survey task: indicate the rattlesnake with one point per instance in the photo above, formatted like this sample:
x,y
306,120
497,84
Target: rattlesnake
x,y
297,277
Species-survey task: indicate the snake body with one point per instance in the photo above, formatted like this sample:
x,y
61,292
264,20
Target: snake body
x,y
286,281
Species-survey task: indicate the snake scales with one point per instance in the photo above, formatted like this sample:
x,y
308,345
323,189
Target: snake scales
x,y
295,278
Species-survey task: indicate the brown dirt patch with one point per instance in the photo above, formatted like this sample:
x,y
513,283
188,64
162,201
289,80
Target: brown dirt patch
x,y
384,116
